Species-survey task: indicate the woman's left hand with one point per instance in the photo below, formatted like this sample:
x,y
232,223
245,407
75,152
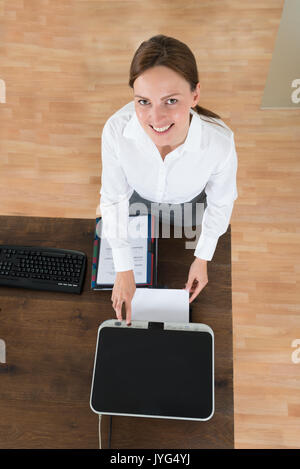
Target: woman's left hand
x,y
197,278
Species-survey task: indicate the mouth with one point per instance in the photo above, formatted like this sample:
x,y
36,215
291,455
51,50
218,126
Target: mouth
x,y
162,130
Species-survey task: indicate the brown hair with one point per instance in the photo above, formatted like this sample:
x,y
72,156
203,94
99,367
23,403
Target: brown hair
x,y
172,53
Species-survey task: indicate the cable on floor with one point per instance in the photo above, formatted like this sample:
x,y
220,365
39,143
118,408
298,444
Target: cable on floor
x,y
100,431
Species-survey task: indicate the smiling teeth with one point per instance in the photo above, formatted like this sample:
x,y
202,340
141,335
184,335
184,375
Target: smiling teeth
x,y
161,129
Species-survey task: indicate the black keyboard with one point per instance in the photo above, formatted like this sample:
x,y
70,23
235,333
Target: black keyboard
x,y
42,268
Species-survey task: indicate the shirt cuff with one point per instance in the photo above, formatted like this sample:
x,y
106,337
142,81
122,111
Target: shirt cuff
x,y
206,247
122,258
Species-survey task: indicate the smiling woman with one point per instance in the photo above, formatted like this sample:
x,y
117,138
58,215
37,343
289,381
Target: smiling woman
x,y
165,119
172,53
164,148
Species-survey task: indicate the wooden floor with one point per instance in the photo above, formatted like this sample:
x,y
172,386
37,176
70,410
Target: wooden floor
x,y
65,65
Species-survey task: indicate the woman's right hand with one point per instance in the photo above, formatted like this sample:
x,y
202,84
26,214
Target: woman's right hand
x,y
123,292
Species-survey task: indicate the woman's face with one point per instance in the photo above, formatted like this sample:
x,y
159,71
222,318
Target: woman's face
x,y
163,100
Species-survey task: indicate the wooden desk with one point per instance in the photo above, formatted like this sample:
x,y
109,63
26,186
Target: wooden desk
x,y
50,346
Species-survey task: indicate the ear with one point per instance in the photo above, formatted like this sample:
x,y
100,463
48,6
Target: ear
x,y
196,95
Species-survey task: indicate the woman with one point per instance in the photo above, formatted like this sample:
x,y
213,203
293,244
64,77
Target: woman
x,y
163,147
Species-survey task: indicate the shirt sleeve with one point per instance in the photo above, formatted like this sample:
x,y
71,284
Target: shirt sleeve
x,y
114,203
221,192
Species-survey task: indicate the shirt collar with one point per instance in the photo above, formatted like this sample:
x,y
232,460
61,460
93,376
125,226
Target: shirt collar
x,y
135,131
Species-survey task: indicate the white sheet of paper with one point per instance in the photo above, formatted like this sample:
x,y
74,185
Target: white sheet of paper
x,y
150,304
137,235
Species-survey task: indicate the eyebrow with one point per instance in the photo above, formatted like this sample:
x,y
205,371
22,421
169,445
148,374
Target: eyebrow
x,y
168,96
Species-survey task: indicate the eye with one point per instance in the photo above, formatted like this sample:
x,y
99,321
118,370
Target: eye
x,y
173,99
139,101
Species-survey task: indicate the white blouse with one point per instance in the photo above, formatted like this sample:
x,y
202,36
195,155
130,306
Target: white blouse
x,y
131,161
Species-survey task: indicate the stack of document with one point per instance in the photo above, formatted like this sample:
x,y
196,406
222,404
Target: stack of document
x,y
144,248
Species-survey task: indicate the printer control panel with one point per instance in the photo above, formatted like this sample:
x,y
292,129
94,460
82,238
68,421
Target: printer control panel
x,y
192,326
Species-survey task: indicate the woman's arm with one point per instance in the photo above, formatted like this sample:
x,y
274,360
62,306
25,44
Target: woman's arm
x,y
221,192
114,203
114,206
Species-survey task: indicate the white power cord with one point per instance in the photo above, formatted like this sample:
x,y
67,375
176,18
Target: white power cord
x,y
100,431
100,438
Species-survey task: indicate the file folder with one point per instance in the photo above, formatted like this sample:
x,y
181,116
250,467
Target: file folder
x,y
150,260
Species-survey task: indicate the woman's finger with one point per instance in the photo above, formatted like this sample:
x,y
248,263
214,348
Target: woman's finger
x,y
192,286
128,312
119,310
189,284
200,286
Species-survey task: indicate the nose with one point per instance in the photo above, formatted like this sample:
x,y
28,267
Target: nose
x,y
158,116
